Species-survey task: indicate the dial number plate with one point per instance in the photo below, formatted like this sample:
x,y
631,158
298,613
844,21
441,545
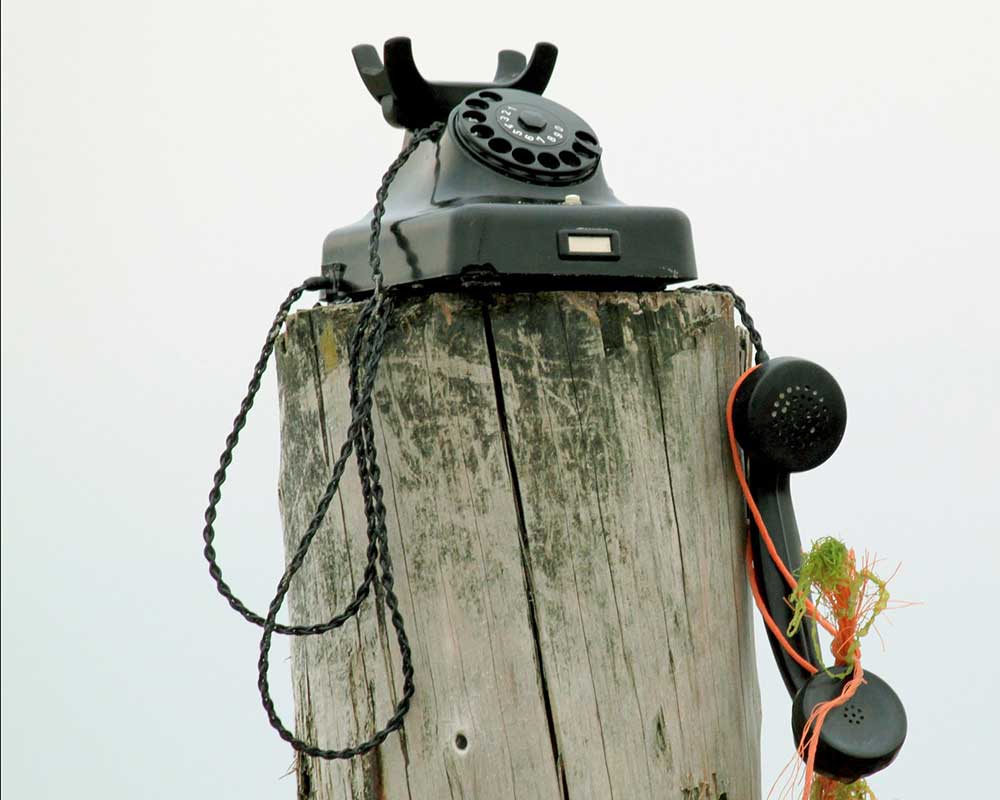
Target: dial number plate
x,y
553,134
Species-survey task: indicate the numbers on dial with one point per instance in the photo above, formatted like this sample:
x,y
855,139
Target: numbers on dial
x,y
554,132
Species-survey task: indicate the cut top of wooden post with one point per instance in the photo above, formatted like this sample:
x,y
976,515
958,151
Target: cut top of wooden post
x,y
567,539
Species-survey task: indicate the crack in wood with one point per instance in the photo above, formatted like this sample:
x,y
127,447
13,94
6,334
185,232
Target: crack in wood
x,y
491,349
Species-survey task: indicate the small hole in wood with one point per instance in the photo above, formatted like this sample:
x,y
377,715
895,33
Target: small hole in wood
x,y
461,742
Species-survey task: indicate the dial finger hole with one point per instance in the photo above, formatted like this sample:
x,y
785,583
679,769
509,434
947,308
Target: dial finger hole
x,y
548,160
522,155
569,159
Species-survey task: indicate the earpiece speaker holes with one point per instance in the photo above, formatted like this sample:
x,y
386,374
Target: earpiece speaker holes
x,y
798,416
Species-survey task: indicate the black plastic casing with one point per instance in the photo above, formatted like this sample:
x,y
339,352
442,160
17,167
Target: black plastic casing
x,y
450,218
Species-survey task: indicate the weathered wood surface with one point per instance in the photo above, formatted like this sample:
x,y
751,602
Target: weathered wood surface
x,y
567,537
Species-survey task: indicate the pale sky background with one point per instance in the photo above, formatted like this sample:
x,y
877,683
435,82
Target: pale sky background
x,y
170,169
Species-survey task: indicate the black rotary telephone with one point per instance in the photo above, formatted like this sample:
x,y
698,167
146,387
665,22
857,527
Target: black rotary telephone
x,y
511,193
500,189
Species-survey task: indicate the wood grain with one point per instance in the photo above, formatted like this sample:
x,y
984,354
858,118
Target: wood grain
x,y
566,534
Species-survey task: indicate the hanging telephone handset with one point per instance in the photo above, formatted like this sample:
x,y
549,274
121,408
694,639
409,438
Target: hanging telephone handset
x,y
789,415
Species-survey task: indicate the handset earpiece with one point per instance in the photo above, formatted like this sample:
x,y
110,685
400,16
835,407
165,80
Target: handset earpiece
x,y
789,415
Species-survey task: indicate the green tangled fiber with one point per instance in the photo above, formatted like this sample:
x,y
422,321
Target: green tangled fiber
x,y
847,595
829,569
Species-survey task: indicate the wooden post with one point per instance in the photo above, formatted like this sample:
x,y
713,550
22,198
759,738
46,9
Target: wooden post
x,y
567,536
